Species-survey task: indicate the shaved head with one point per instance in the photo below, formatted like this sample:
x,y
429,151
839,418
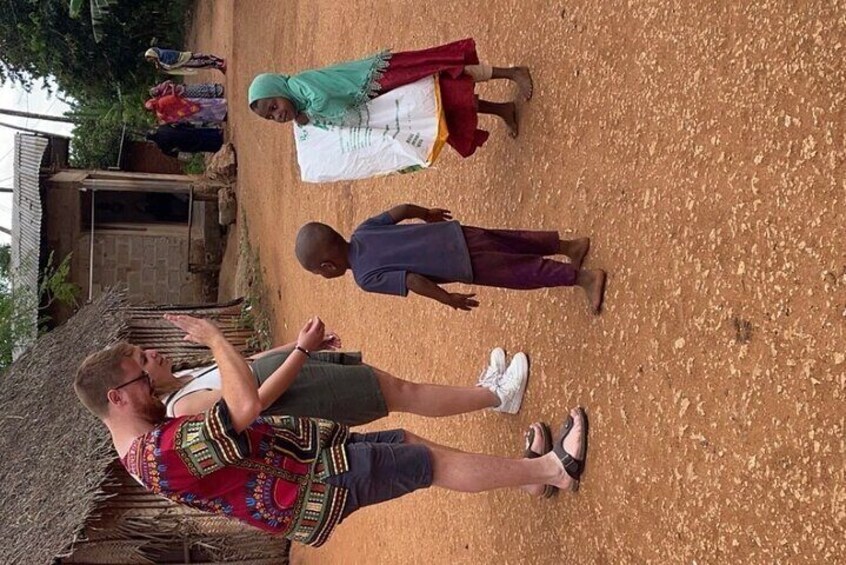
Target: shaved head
x,y
317,243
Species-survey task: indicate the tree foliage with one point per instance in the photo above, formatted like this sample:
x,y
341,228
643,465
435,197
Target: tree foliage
x,y
5,262
107,81
99,126
39,38
16,305
99,9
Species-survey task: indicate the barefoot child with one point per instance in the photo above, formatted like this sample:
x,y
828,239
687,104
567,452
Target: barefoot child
x,y
393,259
328,94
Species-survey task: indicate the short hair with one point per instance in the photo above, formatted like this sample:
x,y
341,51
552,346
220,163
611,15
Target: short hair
x,y
316,242
99,373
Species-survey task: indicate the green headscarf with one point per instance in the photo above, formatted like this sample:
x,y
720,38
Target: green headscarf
x,y
327,93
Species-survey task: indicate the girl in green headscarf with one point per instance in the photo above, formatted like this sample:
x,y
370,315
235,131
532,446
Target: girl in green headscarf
x,y
328,94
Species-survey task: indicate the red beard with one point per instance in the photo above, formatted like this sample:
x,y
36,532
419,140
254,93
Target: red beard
x,y
154,411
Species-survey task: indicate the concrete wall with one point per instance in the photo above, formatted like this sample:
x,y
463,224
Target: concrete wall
x,y
153,267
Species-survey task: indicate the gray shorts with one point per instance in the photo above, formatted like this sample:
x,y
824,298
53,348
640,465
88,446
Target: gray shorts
x,y
331,385
382,468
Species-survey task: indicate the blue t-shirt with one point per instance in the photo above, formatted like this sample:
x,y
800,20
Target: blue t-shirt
x,y
382,252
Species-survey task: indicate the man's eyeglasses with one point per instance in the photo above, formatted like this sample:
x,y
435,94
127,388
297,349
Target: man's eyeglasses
x,y
144,375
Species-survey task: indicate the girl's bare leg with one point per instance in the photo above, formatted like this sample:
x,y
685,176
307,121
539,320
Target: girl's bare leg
x,y
519,75
505,110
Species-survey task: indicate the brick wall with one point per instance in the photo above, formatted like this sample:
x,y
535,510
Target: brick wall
x,y
154,268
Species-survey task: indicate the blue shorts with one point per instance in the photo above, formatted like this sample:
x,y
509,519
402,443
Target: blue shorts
x,y
382,467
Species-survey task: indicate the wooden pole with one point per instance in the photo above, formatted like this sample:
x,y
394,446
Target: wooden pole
x,y
35,116
21,128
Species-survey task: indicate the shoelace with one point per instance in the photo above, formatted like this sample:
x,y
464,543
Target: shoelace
x,y
489,376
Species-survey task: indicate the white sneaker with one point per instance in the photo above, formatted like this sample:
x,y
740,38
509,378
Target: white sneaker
x,y
494,371
512,385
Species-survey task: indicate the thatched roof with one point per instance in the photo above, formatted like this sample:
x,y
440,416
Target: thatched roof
x,y
53,453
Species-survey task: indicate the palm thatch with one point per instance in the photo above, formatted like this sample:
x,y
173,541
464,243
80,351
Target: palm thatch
x,y
54,453
66,498
131,525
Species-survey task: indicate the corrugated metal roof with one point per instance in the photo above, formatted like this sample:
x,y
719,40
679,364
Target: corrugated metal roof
x,y
26,221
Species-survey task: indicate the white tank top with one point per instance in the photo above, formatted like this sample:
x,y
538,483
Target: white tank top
x,y
205,378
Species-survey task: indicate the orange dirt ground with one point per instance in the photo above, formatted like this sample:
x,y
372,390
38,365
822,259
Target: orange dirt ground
x,y
701,147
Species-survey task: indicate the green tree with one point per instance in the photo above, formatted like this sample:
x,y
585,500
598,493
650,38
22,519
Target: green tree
x,y
99,125
5,261
17,306
37,38
99,9
14,325
15,309
97,62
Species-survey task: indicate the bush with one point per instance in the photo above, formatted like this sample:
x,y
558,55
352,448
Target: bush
x,y
196,165
17,306
99,124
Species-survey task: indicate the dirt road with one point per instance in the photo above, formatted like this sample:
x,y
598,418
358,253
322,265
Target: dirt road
x,y
701,147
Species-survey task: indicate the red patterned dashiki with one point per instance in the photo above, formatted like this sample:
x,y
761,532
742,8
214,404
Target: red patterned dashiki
x,y
269,476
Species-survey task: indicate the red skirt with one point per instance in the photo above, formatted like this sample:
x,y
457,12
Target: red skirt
x,y
457,89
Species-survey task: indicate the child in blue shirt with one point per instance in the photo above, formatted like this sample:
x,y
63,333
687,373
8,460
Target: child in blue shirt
x,y
389,257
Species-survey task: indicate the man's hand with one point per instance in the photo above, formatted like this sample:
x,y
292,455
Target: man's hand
x,y
433,215
302,119
237,385
312,334
197,330
460,301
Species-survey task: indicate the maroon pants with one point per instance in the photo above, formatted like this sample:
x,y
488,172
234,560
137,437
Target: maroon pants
x,y
516,259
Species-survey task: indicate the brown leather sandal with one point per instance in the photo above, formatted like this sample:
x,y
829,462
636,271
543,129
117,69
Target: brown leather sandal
x,y
546,435
572,466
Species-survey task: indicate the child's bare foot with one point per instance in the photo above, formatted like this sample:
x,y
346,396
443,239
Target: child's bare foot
x,y
575,249
509,115
569,451
507,111
523,78
593,283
